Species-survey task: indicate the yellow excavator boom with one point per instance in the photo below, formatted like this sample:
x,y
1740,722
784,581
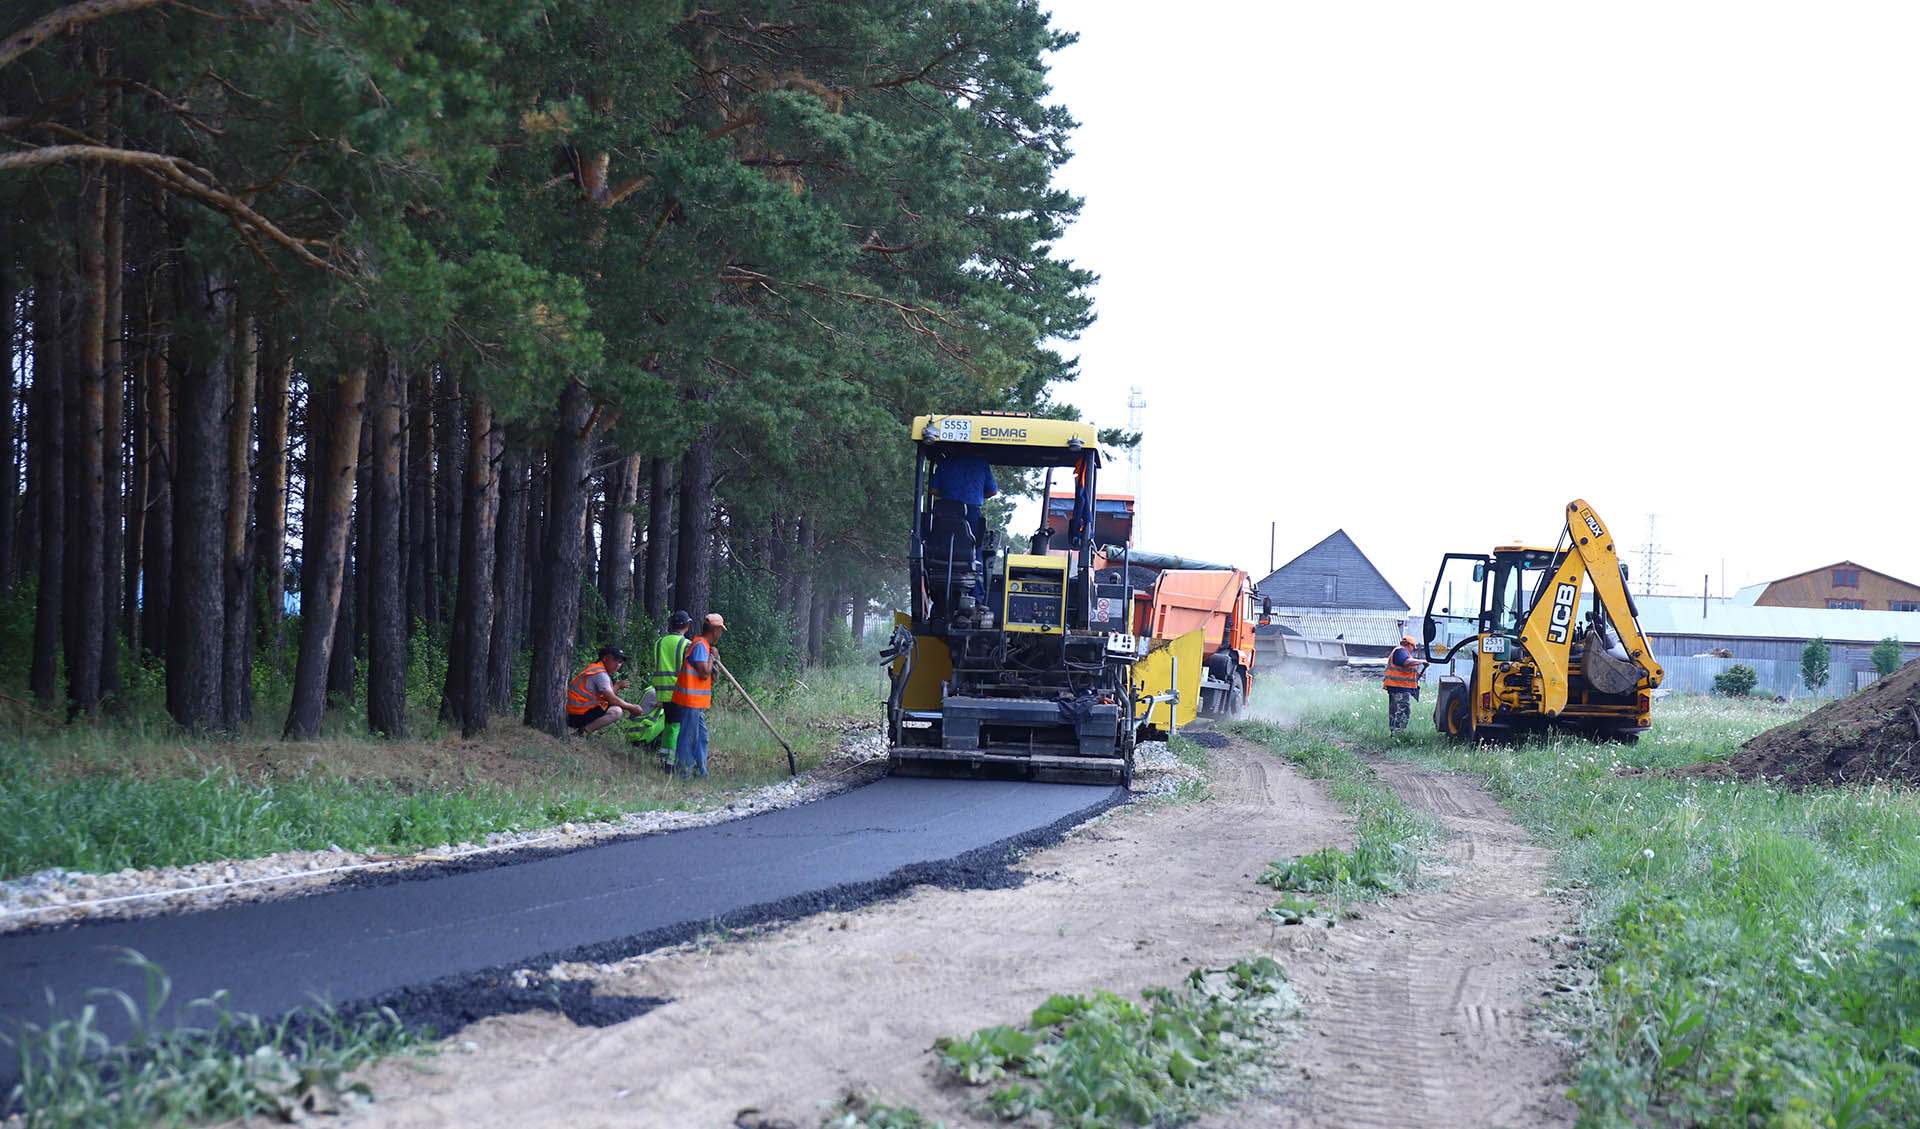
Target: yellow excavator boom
x,y
1552,624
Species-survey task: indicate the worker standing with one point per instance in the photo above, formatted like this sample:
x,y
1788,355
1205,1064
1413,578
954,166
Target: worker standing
x,y
693,693
669,652
593,698
1402,684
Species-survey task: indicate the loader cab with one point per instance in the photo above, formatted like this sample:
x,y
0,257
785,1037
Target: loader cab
x,y
1487,595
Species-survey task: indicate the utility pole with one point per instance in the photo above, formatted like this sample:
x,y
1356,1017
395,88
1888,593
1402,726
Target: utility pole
x,y
1136,423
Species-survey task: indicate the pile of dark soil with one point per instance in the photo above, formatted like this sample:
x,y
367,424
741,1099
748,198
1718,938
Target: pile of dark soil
x,y
1872,735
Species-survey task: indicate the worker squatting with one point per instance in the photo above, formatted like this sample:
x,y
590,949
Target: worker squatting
x,y
672,714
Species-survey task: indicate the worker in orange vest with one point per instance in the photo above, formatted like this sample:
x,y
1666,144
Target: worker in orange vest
x,y
593,698
693,693
1402,684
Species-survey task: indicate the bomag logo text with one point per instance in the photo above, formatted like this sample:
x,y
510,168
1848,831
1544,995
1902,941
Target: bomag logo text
x,y
1563,598
1003,433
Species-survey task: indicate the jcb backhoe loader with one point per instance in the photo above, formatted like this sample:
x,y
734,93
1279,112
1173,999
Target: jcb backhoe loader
x,y
1534,664
998,667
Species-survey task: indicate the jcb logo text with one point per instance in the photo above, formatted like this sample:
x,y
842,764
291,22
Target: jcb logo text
x,y
1563,598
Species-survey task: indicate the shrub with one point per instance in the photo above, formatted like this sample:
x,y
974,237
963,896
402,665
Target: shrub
x,y
1737,681
1815,664
1886,656
758,647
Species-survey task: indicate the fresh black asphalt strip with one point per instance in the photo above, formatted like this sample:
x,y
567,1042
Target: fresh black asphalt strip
x,y
438,944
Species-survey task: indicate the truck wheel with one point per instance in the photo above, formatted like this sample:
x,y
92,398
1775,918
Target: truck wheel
x,y
1236,697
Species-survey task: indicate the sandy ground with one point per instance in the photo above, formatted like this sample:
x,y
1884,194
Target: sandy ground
x,y
1417,1014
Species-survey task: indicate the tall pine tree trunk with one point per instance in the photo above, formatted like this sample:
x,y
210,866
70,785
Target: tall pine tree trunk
x,y
236,691
693,572
509,581
156,551
348,638
803,593
47,488
113,435
448,490
86,485
270,551
817,625
9,470
779,558
196,629
423,599
616,540
387,613
557,581
859,629
659,538
320,600
465,696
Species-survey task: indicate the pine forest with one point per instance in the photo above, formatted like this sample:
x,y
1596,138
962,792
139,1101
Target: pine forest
x,y
340,332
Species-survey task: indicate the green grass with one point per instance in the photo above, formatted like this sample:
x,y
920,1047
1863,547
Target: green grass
x,y
107,795
1101,1060
231,1066
1388,834
1754,952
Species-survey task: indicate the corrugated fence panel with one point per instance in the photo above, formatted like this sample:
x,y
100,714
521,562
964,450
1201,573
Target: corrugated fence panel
x,y
1778,678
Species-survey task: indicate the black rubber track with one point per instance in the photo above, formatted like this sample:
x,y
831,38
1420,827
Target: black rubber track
x,y
438,944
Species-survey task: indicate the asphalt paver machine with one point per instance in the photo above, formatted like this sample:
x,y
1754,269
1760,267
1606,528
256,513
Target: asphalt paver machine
x,y
999,667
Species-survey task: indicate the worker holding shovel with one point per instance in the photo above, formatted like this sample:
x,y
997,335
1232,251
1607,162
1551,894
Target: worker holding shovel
x,y
693,693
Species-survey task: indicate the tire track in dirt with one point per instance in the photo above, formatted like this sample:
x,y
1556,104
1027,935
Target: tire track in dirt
x,y
1416,1011
1420,1013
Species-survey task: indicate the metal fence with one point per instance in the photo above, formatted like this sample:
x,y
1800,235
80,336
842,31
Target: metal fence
x,y
1778,678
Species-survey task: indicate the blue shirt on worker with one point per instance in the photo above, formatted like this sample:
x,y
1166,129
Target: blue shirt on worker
x,y
967,479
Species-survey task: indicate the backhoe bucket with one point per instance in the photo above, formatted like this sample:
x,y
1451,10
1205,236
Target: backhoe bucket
x,y
1605,673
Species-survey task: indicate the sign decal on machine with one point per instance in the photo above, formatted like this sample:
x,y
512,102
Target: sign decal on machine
x,y
1563,598
953,430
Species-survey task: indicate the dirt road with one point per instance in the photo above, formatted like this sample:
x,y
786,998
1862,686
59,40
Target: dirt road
x,y
1416,1014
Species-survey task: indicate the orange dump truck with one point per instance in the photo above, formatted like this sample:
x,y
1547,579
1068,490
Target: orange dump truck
x,y
1219,602
1164,596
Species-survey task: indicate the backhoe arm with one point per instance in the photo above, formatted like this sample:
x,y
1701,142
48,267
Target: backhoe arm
x,y
1591,541
1553,623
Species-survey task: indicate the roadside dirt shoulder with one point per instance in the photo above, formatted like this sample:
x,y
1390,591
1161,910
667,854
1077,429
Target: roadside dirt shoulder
x,y
788,1020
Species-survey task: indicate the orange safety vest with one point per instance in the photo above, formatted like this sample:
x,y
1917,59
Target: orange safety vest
x,y
691,689
1400,677
579,700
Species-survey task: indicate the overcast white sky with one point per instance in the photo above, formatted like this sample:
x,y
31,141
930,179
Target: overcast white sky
x,y
1426,272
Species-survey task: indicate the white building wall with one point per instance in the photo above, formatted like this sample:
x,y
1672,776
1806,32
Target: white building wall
x,y
1368,628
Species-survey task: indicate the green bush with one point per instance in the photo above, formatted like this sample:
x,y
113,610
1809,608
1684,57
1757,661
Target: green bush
x,y
758,647
1886,656
1815,664
1737,681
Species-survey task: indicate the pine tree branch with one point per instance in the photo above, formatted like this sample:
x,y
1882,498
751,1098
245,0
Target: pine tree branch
x,y
66,19
178,175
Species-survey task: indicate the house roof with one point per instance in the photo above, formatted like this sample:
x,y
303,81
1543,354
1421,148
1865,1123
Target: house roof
x,y
1728,618
1842,564
1301,582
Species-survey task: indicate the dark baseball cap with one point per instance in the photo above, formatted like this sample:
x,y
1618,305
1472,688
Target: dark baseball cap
x,y
679,620
616,652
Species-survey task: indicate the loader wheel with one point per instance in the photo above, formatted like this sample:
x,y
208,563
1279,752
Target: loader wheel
x,y
1455,716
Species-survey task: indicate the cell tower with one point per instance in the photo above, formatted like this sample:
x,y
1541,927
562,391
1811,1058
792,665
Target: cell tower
x,y
1136,415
